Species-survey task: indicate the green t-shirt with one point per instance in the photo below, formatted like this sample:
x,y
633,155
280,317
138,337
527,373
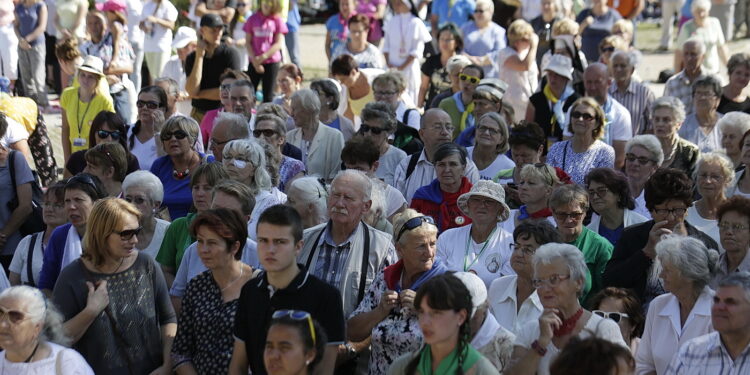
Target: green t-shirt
x,y
176,240
596,252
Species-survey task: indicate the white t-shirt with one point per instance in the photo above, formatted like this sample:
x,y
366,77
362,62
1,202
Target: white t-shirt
x,y
501,162
135,12
160,38
388,163
263,200
16,132
394,200
461,253
71,363
709,227
21,256
153,247
144,152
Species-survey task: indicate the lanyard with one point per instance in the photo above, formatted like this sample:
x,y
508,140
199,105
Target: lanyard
x,y
484,247
80,122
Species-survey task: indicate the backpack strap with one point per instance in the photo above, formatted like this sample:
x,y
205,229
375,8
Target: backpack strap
x,y
30,258
412,164
365,263
405,117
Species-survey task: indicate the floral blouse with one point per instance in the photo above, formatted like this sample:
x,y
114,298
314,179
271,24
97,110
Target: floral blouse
x,y
204,330
396,335
289,168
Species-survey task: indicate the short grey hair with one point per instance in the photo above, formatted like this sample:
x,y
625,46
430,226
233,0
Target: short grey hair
x,y
457,62
689,256
700,4
172,85
570,193
236,124
629,56
146,180
711,82
491,5
698,43
671,103
364,182
571,255
184,123
255,155
308,99
39,310
381,112
740,279
720,159
650,143
738,121
314,192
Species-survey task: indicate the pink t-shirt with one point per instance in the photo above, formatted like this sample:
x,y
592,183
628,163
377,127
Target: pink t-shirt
x,y
264,28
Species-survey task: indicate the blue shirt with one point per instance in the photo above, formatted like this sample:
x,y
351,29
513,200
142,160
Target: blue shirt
x,y
482,43
612,235
178,196
338,30
293,19
459,13
53,257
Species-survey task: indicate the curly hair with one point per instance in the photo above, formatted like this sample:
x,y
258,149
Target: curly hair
x,y
616,182
591,355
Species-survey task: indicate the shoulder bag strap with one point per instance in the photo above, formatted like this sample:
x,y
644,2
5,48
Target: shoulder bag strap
x,y
12,169
565,154
412,164
365,263
312,249
30,258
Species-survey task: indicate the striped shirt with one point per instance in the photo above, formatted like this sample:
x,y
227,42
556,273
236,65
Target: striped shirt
x,y
707,355
637,98
332,258
681,87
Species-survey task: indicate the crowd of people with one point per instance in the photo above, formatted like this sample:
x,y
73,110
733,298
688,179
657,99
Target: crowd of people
x,y
476,188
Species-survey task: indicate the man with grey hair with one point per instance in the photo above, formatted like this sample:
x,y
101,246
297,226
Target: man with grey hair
x,y
633,95
242,99
727,349
227,127
680,85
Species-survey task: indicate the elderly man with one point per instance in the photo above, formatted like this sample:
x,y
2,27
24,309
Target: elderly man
x,y
417,170
229,126
727,350
242,97
345,252
618,129
680,85
633,95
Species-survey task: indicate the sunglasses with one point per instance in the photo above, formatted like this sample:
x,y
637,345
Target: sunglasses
x,y
641,159
374,130
106,134
179,134
414,223
149,105
565,215
265,132
13,316
297,315
466,77
615,316
83,179
129,233
581,115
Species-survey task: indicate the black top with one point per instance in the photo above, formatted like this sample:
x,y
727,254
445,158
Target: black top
x,y
543,114
77,162
629,266
726,106
306,292
291,151
440,80
543,29
224,58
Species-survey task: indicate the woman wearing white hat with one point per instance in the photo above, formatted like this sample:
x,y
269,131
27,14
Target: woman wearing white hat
x,y
548,106
482,247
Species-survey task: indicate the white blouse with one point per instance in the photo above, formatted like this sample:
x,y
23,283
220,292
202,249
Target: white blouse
x,y
504,306
70,363
489,259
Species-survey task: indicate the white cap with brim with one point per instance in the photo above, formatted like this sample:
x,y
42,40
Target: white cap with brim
x,y
92,64
476,287
561,65
184,36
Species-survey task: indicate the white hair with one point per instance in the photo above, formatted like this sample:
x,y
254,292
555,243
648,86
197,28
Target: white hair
x,y
672,103
236,124
629,56
700,4
251,150
312,191
39,310
146,180
573,258
739,121
648,142
308,99
689,256
720,159
364,182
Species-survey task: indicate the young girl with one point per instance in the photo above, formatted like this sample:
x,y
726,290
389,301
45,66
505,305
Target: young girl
x,y
405,36
265,35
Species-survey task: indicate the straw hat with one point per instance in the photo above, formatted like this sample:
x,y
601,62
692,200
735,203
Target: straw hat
x,y
487,189
92,64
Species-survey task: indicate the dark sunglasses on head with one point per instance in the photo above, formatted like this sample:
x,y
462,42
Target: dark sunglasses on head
x,y
83,178
147,104
616,316
581,115
129,233
105,134
414,223
466,77
374,130
265,132
179,134
297,315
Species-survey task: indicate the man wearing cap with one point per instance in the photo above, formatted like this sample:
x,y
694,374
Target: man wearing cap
x,y
487,97
634,96
487,335
548,106
185,42
204,66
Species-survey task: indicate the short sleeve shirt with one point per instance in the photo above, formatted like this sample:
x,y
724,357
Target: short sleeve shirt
x,y
263,30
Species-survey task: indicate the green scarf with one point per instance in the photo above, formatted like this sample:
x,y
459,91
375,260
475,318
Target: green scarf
x,y
449,364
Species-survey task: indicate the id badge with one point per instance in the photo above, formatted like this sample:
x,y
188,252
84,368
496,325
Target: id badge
x,y
79,142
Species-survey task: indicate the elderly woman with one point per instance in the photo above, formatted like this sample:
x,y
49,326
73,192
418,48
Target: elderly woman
x,y
733,97
114,298
378,123
513,298
293,346
439,199
245,161
742,177
560,276
387,312
152,107
177,237
389,88
178,136
667,115
64,246
734,231
700,127
584,151
535,185
445,307
517,66
714,174
106,127
144,191
366,54
33,336
487,252
308,195
548,106
612,203
569,204
321,145
643,156
732,126
272,130
459,105
435,76
709,31
328,95
684,266
624,308
669,193
491,144
212,295
596,24
108,162
483,38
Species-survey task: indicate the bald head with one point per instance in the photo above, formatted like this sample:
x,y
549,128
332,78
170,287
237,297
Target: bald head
x,y
596,80
435,129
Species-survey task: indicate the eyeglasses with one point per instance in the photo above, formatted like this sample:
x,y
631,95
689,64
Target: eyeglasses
x,y
642,160
264,132
565,215
106,134
225,87
471,79
384,93
525,250
136,200
600,192
129,233
607,49
581,115
215,143
13,316
491,131
372,129
733,227
615,316
297,315
674,211
414,223
483,202
83,178
704,94
551,281
179,134
147,104
440,128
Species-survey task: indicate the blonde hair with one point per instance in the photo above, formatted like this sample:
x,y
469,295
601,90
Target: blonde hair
x,y
565,26
588,101
106,217
623,25
519,30
184,123
546,174
400,220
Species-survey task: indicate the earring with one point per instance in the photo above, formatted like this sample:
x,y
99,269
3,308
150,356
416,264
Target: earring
x,y
307,362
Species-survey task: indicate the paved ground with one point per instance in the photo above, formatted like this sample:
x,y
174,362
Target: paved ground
x,y
314,64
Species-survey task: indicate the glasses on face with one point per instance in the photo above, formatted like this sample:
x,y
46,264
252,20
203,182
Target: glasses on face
x,y
372,129
673,211
129,233
551,281
642,160
706,176
581,116
525,250
13,316
726,227
483,202
179,134
225,87
468,78
414,223
616,316
385,93
492,131
600,192
215,143
135,200
562,216
704,94
147,104
106,134
264,132
297,315
441,128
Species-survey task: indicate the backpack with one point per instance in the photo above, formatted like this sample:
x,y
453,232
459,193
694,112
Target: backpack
x,y
406,137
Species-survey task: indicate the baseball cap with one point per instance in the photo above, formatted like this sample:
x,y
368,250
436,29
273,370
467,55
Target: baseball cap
x,y
211,20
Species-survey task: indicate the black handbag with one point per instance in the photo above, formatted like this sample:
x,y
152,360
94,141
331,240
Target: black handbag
x,y
35,221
